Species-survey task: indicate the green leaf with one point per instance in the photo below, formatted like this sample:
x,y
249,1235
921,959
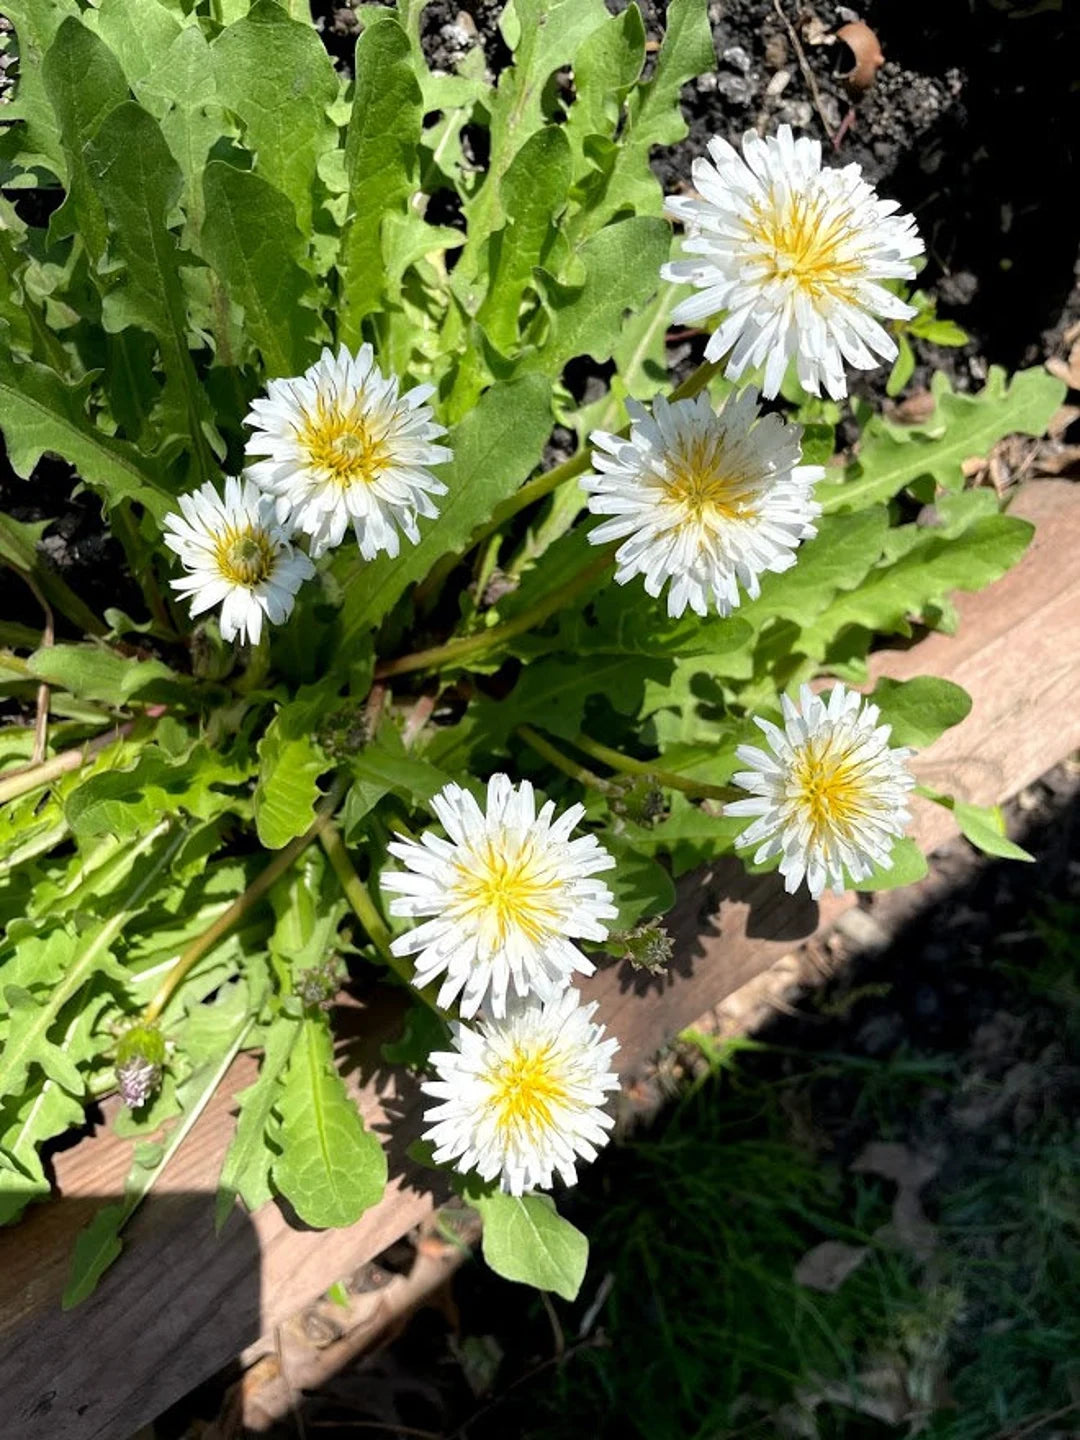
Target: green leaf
x,y
94,672
139,33
28,1039
495,448
84,81
139,184
622,272
605,67
43,1111
627,621
654,114
920,710
894,456
422,1031
841,555
330,1168
97,1247
181,93
534,192
931,568
276,75
641,887
35,138
386,769
126,801
19,543
552,693
41,414
549,33
380,163
290,763
527,1240
908,866
903,366
984,826
246,1170
251,240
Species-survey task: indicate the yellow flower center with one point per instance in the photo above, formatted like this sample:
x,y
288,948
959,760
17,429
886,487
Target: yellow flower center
x,y
829,786
697,482
244,557
341,446
507,891
523,1089
799,243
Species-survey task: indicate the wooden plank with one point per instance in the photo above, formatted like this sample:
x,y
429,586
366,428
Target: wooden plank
x,y
179,1303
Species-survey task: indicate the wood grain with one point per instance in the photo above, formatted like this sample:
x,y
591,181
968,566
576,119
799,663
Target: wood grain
x,y
180,1303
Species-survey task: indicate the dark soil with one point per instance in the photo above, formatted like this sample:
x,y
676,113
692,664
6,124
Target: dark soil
x,y
77,544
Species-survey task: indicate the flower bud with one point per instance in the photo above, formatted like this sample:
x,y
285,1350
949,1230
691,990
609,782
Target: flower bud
x,y
140,1058
648,946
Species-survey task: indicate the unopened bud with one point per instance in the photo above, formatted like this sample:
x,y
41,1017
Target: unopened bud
x,y
211,657
641,801
318,985
140,1059
344,732
648,946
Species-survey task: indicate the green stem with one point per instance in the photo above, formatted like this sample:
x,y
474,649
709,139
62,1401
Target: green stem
x,y
543,485
31,777
141,566
467,647
356,892
205,942
257,667
669,778
553,756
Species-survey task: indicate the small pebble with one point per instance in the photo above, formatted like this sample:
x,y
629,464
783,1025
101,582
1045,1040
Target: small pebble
x,y
706,83
737,58
776,51
734,88
796,113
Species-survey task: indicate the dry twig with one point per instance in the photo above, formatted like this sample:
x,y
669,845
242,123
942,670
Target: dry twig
x,y
804,66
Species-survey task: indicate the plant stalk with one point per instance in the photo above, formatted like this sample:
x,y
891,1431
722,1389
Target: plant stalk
x,y
554,756
467,647
699,789
277,867
364,908
31,777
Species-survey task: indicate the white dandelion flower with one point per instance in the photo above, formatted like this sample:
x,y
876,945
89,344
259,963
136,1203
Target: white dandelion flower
x,y
702,499
339,446
238,555
795,254
507,894
832,795
522,1096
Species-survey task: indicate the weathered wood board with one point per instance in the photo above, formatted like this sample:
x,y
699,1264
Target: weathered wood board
x,y
181,1302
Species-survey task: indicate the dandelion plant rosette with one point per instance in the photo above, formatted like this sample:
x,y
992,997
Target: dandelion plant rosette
x,y
441,627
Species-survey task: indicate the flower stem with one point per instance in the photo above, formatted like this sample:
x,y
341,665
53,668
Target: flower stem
x,y
205,942
543,485
32,777
467,647
356,892
669,778
554,756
